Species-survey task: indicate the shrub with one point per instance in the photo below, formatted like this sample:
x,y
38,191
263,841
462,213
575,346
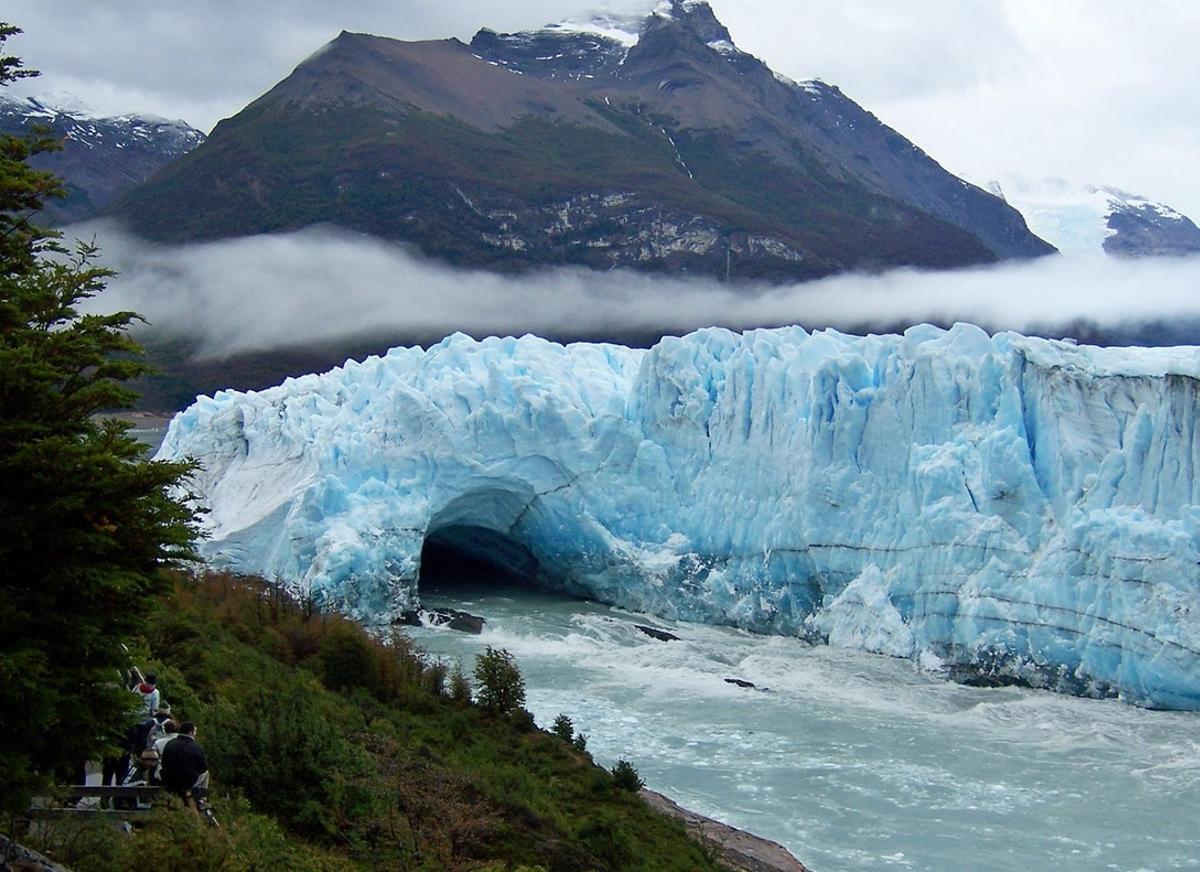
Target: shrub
x,y
435,677
626,777
522,720
580,743
289,757
348,659
501,687
460,686
605,837
564,728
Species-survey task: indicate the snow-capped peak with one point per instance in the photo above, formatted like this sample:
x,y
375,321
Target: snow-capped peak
x,y
623,29
668,8
63,103
60,104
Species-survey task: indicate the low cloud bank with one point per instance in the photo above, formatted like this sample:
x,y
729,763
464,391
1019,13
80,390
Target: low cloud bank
x,y
324,286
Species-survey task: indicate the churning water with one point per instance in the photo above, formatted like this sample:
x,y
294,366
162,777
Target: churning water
x,y
853,761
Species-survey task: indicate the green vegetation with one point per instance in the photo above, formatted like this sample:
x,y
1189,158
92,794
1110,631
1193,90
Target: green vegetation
x,y
23,190
88,520
626,777
501,687
564,728
329,750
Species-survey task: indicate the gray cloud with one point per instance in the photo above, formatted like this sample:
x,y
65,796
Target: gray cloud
x,y
320,286
1097,90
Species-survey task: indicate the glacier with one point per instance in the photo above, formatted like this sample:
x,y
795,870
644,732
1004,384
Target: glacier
x,y
1015,509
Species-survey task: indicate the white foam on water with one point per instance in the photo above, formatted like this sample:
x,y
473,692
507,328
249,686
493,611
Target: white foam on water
x,y
854,761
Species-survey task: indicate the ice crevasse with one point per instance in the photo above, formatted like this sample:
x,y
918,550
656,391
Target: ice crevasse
x,y
1018,508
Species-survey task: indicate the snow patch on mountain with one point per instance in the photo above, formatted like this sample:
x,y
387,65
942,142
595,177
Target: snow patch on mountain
x,y
1090,219
619,28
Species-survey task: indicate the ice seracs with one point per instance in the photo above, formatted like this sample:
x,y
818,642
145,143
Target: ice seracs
x,y
1017,507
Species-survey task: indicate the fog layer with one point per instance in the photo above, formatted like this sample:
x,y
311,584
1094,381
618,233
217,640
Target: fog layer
x,y
324,286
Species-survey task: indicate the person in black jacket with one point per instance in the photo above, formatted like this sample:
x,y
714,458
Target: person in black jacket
x,y
184,766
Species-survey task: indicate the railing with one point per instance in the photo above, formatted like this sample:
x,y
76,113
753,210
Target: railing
x,y
53,807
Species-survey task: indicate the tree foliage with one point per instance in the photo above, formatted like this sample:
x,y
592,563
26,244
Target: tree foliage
x,y
626,777
22,188
87,519
564,728
501,687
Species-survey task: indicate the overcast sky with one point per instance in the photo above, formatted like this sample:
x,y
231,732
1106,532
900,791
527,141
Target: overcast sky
x,y
1098,91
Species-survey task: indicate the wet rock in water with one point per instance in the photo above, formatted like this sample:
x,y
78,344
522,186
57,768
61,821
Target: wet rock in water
x,y
657,633
452,618
741,682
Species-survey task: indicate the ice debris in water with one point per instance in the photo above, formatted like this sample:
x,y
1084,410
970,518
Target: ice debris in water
x,y
1015,506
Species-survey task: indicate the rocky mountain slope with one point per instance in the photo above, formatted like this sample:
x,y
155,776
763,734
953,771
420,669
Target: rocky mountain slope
x,y
102,158
1088,219
651,143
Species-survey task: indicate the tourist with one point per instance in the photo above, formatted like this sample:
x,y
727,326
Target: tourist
x,y
184,766
170,731
148,691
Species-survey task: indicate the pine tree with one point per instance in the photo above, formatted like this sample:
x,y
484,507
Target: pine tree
x,y
86,520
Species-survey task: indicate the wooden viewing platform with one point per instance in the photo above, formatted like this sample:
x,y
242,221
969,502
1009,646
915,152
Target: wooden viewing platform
x,y
131,791
52,808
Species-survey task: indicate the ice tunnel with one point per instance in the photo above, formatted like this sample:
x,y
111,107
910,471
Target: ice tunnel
x,y
481,534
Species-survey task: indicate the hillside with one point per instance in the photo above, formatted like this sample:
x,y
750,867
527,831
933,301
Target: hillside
x,y
332,751
661,147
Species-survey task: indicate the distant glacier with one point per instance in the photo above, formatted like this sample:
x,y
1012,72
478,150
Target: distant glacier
x,y
1007,507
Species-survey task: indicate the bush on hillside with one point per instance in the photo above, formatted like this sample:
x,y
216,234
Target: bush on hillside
x,y
460,686
501,687
388,778
626,777
289,757
564,728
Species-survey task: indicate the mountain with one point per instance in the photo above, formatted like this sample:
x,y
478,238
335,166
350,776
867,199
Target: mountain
x,y
102,158
1091,218
651,143
1023,510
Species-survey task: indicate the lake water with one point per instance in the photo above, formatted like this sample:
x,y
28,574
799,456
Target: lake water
x,y
853,761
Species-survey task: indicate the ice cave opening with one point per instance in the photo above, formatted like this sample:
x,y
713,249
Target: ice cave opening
x,y
494,536
461,557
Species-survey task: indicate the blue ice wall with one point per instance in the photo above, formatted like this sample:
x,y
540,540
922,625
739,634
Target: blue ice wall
x,y
1022,508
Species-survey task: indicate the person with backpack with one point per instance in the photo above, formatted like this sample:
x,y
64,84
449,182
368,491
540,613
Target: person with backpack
x,y
170,730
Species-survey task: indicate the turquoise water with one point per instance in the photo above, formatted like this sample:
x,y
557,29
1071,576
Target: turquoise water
x,y
853,761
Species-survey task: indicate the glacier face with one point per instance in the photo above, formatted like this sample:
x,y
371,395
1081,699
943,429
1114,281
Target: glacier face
x,y
1019,508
